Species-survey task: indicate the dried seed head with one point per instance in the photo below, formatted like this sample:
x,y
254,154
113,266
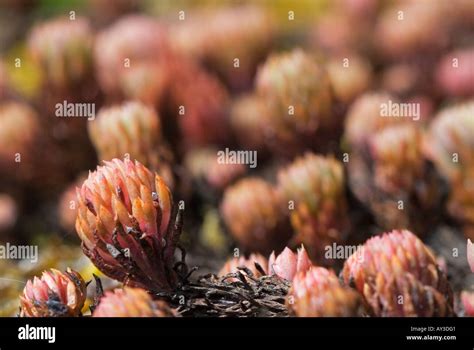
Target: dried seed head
x,y
317,293
126,224
63,48
132,129
252,212
55,294
398,276
231,265
287,263
313,189
131,302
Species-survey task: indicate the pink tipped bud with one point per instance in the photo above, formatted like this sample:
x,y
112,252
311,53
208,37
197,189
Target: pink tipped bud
x,y
317,293
55,294
398,276
126,221
287,263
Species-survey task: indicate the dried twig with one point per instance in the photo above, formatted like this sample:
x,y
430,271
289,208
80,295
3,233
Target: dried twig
x,y
235,294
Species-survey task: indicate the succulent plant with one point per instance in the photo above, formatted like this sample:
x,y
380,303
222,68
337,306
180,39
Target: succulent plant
x,y
387,171
449,145
127,224
231,265
131,302
399,174
287,264
252,212
121,50
317,292
63,48
313,188
219,37
298,90
350,75
455,73
397,275
248,117
132,130
200,104
55,294
397,152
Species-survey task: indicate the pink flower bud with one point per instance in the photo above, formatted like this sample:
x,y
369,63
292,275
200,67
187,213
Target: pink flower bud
x,y
318,293
55,294
287,263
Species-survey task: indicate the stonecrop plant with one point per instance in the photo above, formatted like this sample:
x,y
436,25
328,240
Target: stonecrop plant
x,y
128,224
54,294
